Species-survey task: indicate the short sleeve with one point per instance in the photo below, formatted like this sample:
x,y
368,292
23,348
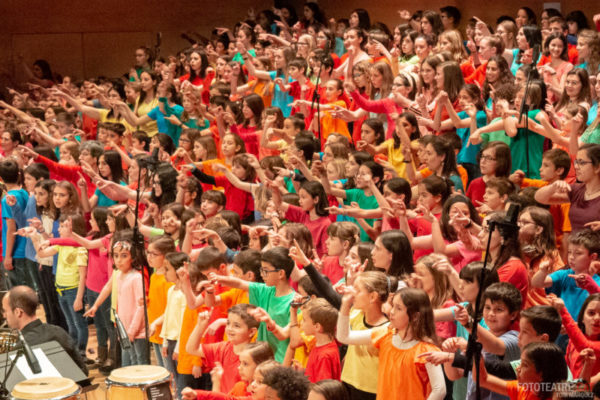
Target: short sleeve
x,y
512,389
258,294
558,278
82,256
378,334
153,114
273,74
211,354
6,210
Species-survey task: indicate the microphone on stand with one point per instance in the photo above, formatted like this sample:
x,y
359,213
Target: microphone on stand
x,y
123,337
32,360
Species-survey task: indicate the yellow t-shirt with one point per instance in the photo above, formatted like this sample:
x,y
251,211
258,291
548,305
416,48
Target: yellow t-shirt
x,y
362,362
308,343
396,158
105,118
151,128
173,314
67,267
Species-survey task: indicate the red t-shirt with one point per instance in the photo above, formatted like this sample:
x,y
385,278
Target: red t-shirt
x,y
317,227
222,352
332,269
515,272
476,190
324,363
238,200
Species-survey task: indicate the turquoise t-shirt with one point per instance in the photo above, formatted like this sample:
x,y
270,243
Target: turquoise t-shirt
x,y
103,200
281,99
240,58
164,126
566,288
366,203
468,154
278,308
526,150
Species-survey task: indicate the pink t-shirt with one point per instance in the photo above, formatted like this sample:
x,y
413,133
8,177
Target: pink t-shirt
x,y
130,306
99,266
317,227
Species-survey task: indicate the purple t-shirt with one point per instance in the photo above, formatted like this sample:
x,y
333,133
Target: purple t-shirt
x,y
582,211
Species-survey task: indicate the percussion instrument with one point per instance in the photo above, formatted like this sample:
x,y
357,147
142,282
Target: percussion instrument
x,y
46,389
139,382
8,340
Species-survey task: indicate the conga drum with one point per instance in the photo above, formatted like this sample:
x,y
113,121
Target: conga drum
x,y
139,382
46,389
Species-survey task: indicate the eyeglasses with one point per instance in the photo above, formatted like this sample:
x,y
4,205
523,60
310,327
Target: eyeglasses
x,y
580,163
184,140
522,223
153,254
488,158
156,183
265,271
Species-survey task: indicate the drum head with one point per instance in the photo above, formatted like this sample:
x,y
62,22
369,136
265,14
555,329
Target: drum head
x,y
138,374
45,388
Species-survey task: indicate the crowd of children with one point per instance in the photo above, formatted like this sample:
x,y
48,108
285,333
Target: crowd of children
x,y
316,202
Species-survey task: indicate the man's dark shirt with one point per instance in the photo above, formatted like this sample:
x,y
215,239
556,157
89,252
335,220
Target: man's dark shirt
x,y
37,332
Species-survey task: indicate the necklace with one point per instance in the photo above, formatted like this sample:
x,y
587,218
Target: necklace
x,y
590,195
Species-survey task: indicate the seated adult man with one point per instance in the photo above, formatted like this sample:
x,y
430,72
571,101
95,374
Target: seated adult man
x,y
19,306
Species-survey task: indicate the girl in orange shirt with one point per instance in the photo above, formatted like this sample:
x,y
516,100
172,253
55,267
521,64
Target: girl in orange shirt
x,y
403,373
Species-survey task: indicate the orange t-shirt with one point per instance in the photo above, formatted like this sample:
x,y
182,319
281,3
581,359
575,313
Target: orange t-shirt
x,y
186,361
520,392
462,172
157,302
330,124
537,297
402,374
232,297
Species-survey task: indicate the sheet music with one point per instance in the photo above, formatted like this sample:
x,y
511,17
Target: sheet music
x,y
48,369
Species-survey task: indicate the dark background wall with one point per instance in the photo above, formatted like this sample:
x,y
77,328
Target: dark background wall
x,y
93,37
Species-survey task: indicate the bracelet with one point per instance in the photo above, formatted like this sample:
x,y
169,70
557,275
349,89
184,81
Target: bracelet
x,y
270,328
291,326
407,161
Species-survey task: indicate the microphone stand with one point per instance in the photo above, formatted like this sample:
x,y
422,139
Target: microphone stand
x,y
138,241
4,393
474,348
317,98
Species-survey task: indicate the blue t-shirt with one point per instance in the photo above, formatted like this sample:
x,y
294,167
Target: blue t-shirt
x,y
281,99
566,288
468,154
22,218
19,246
164,126
278,308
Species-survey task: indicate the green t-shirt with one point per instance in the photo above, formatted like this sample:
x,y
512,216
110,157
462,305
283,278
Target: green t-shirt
x,y
278,308
526,150
366,203
591,135
499,136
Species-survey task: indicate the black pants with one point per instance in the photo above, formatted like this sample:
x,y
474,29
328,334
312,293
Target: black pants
x,y
357,394
49,297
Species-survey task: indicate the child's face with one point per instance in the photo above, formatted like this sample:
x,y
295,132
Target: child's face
x,y
363,177
308,326
527,334
111,223
269,273
65,157
497,316
199,151
209,208
424,278
257,388
433,160
122,258
362,297
137,144
60,197
331,91
427,199
389,195
156,259
239,171
579,258
526,372
492,199
367,134
41,197
464,99
307,202
312,395
246,367
528,229
170,273
399,318
30,182
294,72
591,318
487,162
335,246
468,290
228,146
351,259
170,222
548,170
332,172
352,166
237,331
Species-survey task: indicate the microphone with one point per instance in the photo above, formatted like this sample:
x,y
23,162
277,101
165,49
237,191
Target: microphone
x,y
158,39
535,55
32,360
123,337
152,160
508,226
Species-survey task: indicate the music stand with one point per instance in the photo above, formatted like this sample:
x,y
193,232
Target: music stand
x,y
59,358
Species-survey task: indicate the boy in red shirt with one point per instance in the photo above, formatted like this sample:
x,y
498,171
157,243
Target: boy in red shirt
x,y
320,320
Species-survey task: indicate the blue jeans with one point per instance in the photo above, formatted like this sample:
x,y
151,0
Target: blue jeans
x,y
137,354
78,328
102,318
157,353
171,365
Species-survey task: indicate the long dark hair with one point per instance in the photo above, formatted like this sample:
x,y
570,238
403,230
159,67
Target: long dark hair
x,y
442,147
549,360
315,189
505,75
46,70
113,159
100,215
533,35
167,175
420,314
447,230
48,186
396,242
203,64
510,246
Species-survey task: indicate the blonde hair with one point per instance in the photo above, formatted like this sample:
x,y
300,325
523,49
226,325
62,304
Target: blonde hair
x,y
378,282
457,49
592,39
339,164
